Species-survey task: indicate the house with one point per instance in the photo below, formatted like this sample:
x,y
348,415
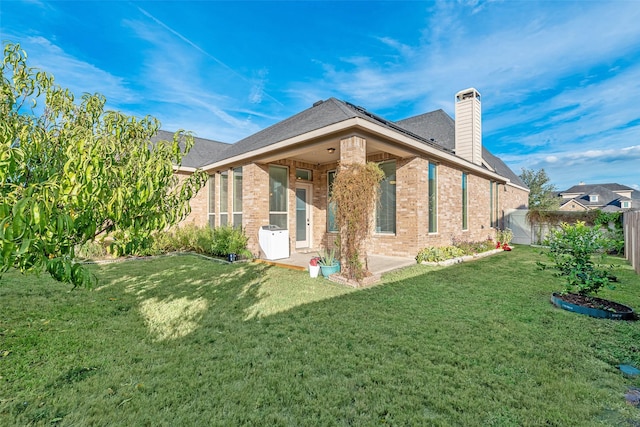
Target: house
x,y
606,197
440,182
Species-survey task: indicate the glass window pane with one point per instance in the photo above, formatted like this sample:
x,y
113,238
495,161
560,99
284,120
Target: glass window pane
x,y
301,214
303,174
279,219
223,219
224,192
491,224
237,190
331,206
464,201
433,198
237,220
212,194
212,221
278,189
386,208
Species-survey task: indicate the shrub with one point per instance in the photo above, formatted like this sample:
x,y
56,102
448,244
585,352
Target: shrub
x,y
437,254
220,241
230,240
571,249
91,249
504,236
457,249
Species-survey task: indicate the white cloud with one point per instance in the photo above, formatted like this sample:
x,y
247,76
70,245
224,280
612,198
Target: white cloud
x,y
73,73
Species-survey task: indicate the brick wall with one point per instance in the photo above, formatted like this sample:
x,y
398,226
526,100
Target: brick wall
x,y
199,205
255,203
411,204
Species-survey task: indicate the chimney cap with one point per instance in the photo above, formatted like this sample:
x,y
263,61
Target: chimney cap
x,y
467,94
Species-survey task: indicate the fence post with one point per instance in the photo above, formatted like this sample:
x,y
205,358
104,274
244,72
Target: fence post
x,y
631,226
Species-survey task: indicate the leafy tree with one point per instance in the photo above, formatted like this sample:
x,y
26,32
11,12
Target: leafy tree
x,y
71,171
571,249
541,195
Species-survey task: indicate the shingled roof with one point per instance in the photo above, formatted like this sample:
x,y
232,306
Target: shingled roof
x,y
202,152
436,129
439,127
608,200
588,188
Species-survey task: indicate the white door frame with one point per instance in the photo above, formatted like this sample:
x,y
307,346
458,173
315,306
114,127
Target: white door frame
x,y
308,187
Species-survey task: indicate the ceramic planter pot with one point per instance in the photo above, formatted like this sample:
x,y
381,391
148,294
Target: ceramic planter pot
x,y
328,270
313,271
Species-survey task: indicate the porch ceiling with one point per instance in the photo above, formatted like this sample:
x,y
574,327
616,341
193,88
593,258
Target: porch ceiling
x,y
317,153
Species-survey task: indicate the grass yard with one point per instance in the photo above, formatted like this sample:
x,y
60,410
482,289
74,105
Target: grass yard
x,y
181,341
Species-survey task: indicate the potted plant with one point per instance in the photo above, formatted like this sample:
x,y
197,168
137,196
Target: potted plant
x,y
328,262
571,250
314,267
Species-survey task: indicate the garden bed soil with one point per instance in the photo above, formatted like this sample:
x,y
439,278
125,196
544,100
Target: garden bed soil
x,y
593,306
593,302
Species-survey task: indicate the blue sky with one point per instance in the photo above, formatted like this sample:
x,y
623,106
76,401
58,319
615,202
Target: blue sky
x,y
560,80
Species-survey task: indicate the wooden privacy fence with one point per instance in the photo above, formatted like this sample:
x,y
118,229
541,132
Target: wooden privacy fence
x,y
631,225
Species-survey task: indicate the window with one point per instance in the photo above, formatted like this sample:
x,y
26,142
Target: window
x,y
493,204
237,197
433,198
212,201
625,205
464,202
224,198
491,219
303,174
593,197
331,206
278,186
386,208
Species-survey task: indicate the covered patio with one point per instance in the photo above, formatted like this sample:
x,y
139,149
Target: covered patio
x,y
378,264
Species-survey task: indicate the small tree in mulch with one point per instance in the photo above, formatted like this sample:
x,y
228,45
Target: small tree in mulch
x,y
355,192
571,249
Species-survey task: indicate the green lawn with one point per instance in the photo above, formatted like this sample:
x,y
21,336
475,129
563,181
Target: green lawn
x,y
182,341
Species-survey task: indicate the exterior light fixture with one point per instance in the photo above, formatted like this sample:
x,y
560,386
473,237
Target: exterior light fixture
x,y
331,150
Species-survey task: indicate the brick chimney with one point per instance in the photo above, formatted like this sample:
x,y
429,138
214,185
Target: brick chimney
x,y
468,139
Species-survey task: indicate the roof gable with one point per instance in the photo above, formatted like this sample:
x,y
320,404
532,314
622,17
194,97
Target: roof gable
x,y
321,114
436,126
201,153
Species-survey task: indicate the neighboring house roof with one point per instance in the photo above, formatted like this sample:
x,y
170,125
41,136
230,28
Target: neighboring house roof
x,y
201,152
588,188
607,199
435,129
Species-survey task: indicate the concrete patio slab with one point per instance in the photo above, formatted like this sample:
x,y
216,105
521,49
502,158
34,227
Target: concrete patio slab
x,y
378,264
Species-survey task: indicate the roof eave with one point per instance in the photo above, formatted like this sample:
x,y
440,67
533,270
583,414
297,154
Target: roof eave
x,y
357,122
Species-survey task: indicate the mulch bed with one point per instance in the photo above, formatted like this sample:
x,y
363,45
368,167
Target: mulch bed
x,y
594,302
